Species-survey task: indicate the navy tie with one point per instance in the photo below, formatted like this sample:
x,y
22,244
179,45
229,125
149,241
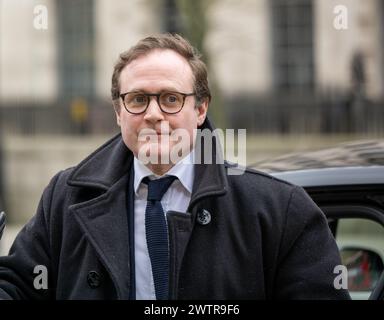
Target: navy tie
x,y
157,234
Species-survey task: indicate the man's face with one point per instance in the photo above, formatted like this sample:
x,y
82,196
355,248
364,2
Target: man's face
x,y
159,71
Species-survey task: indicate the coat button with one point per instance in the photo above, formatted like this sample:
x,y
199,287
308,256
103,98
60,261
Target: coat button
x,y
93,279
204,217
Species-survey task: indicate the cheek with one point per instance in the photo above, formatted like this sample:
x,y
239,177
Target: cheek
x,y
186,121
129,123
189,125
129,129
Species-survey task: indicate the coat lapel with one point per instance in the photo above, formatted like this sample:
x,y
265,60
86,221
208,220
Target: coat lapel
x,y
104,219
104,222
210,179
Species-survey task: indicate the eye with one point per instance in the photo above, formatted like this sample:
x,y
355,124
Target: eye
x,y
170,98
139,99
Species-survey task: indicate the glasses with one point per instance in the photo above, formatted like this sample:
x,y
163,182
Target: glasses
x,y
168,101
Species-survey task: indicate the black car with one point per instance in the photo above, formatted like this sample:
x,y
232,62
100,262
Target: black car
x,y
347,183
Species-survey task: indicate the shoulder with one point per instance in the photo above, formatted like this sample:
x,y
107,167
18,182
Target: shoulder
x,y
245,177
57,189
269,197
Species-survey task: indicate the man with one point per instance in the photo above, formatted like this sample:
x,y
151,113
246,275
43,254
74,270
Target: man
x,y
102,231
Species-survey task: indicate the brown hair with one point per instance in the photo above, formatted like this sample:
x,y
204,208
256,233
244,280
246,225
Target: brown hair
x,y
173,42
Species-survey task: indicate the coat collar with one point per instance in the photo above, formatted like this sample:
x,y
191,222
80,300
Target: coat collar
x,y
105,166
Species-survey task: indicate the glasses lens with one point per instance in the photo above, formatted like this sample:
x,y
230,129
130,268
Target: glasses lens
x,y
171,101
135,102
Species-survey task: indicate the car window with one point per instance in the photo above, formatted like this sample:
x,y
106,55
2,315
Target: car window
x,y
361,245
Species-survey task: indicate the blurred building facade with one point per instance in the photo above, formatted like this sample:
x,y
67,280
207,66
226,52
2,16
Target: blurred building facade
x,y
276,66
280,66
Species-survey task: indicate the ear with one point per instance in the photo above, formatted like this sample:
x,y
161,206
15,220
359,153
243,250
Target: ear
x,y
117,108
201,111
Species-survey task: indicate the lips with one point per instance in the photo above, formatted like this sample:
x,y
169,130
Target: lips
x,y
152,132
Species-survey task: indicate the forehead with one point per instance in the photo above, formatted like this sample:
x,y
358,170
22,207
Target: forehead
x,y
157,70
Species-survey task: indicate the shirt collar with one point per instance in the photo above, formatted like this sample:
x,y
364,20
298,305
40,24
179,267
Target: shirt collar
x,y
183,170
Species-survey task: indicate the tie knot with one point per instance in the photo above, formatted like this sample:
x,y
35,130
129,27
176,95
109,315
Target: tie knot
x,y
157,188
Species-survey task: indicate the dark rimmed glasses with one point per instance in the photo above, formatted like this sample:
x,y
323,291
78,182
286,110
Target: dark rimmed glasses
x,y
170,102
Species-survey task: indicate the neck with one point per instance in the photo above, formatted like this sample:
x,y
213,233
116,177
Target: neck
x,y
160,169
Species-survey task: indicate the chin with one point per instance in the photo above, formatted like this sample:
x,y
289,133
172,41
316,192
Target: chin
x,y
154,153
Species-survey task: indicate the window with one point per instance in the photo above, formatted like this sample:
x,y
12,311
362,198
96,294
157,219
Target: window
x,y
359,233
76,47
360,242
292,33
172,22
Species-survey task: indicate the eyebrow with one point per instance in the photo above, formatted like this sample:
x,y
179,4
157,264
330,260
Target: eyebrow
x,y
161,90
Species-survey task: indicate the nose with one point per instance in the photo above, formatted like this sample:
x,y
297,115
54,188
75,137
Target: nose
x,y
153,112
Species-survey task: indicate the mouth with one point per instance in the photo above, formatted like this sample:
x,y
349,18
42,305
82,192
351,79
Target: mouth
x,y
155,135
152,137
151,132
162,133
